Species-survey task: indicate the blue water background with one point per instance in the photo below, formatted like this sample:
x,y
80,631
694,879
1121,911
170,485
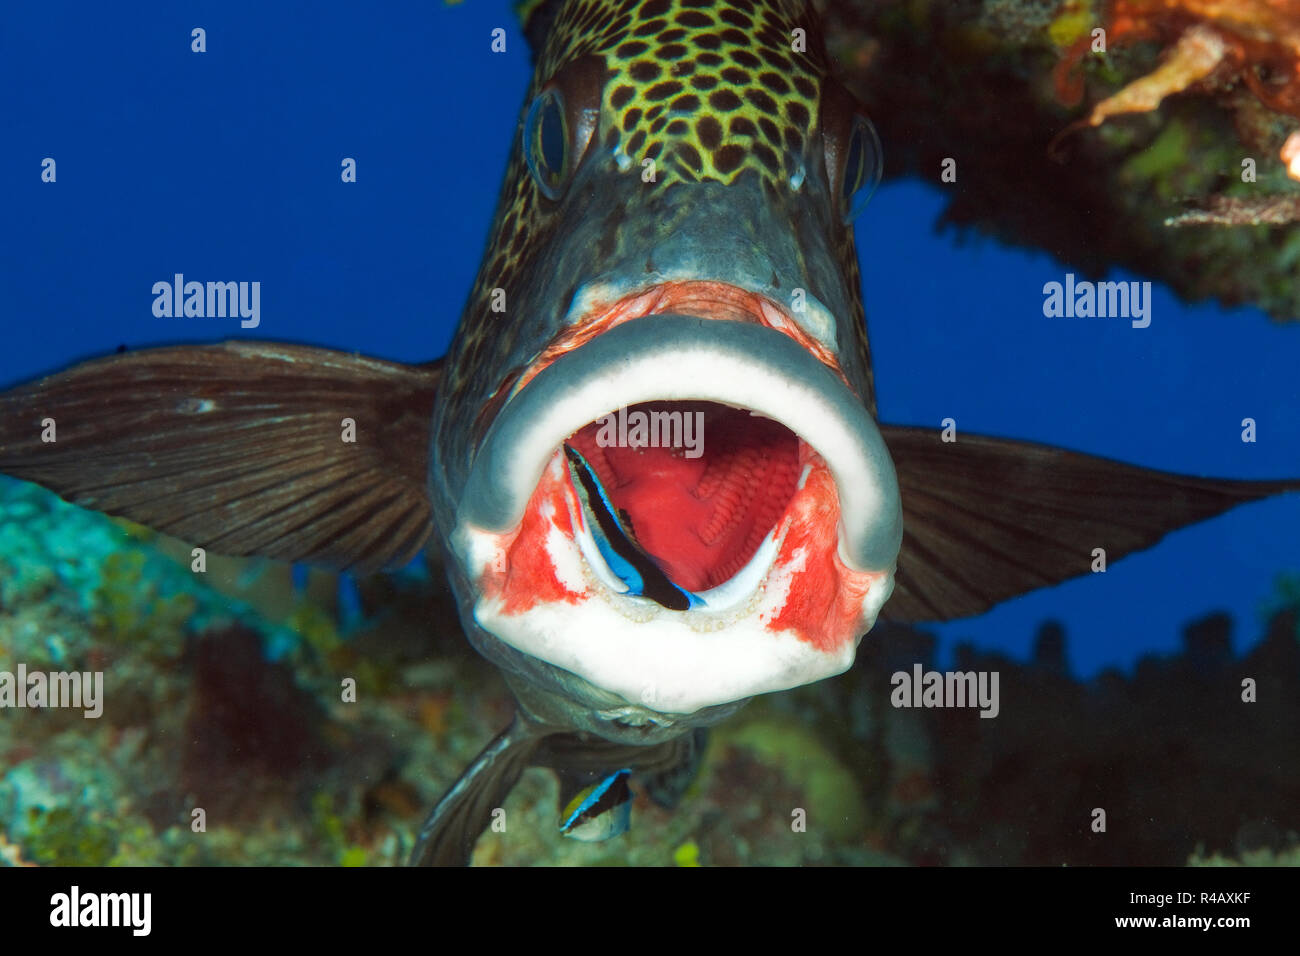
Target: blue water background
x,y
225,165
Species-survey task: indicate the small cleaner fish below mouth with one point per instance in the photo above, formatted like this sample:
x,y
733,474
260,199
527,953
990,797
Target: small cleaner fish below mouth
x,y
730,529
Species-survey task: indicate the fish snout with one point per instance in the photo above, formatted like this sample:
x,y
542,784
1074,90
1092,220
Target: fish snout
x,y
683,511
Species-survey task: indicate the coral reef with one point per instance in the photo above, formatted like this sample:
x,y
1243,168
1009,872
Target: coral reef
x,y
285,768
1179,136
197,717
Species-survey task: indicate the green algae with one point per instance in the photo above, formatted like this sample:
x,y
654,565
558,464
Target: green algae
x,y
688,854
63,836
949,83
127,608
109,792
1260,857
834,801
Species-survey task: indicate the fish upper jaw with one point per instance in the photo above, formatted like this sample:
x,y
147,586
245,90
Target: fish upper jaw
x,y
602,303
778,612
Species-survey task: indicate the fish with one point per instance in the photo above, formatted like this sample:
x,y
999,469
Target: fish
x,y
673,247
599,810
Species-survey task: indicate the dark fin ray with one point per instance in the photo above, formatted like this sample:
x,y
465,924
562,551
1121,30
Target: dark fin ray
x,y
987,519
465,811
451,830
237,447
667,787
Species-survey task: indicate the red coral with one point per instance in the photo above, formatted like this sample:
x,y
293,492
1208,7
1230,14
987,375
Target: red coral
x,y
1256,41
1260,36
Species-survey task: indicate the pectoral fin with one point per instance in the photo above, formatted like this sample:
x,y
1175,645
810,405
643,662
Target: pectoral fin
x,y
464,812
987,519
239,448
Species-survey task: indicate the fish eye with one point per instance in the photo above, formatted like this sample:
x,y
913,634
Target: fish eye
x,y
546,142
863,166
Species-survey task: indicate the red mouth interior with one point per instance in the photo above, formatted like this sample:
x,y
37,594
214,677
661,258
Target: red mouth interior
x,y
700,519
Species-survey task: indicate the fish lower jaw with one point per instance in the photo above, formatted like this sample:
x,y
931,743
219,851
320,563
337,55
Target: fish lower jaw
x,y
660,665
792,616
746,554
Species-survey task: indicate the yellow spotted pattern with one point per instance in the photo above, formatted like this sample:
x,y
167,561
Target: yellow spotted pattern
x,y
708,89
705,89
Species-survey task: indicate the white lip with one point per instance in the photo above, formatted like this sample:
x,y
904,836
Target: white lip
x,y
663,664
741,586
678,358
743,643
674,662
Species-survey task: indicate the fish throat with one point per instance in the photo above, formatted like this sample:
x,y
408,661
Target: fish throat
x,y
690,489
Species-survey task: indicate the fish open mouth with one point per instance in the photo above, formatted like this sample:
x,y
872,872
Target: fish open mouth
x,y
678,497
698,506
